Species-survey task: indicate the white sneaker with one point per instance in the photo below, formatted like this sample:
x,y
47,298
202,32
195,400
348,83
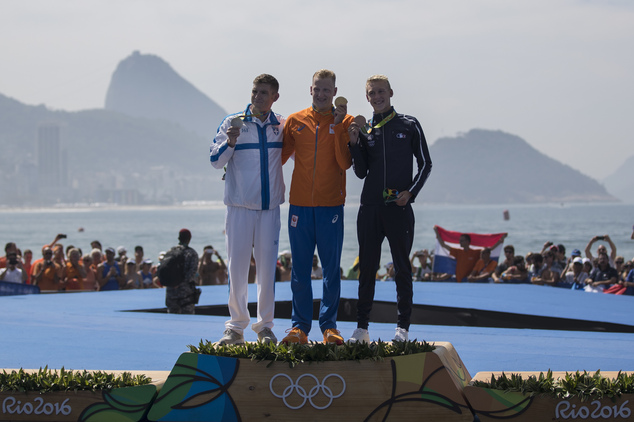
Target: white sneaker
x,y
401,334
266,336
231,337
360,335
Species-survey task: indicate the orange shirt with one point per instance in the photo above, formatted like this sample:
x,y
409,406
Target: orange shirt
x,y
49,277
74,278
27,268
480,268
321,158
465,261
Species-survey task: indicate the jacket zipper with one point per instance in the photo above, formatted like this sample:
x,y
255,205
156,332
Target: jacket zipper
x,y
312,193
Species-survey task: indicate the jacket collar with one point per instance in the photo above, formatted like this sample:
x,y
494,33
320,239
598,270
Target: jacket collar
x,y
377,117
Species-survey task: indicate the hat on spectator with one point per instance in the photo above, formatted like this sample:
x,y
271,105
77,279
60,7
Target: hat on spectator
x,y
577,261
147,261
121,250
110,250
131,261
575,252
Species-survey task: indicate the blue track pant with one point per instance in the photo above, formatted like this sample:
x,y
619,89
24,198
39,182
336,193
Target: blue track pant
x,y
309,227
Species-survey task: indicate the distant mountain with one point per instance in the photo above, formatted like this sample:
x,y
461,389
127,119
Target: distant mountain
x,y
108,149
144,85
154,138
493,167
621,182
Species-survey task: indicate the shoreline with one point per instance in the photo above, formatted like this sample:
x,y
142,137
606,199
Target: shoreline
x,y
79,207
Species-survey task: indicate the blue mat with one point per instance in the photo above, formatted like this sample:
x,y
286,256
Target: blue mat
x,y
91,331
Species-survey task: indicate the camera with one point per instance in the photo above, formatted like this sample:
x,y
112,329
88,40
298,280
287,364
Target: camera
x,y
600,237
13,261
48,263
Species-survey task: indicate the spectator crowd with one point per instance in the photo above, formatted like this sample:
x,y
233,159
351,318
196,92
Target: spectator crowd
x,y
593,271
66,268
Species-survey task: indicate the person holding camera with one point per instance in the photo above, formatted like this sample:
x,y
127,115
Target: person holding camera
x,y
602,249
109,274
211,272
423,271
9,248
47,274
14,271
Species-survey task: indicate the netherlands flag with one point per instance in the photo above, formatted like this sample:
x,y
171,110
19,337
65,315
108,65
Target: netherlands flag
x,y
445,263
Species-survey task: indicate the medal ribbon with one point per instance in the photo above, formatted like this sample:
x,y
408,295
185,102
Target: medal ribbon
x,y
244,116
382,122
326,113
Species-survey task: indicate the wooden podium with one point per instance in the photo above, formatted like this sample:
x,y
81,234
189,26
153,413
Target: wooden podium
x,y
412,387
125,404
496,405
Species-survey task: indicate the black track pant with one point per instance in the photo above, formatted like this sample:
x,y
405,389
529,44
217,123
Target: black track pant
x,y
375,223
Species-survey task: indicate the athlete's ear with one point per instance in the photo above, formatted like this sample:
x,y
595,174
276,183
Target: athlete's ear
x,y
276,96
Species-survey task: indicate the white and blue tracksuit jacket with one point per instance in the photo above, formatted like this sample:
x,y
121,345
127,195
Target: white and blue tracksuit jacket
x,y
254,177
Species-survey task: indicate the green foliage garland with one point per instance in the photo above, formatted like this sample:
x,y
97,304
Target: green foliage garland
x,y
46,380
581,385
313,352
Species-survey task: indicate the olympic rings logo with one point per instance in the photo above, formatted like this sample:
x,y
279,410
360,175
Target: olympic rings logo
x,y
307,396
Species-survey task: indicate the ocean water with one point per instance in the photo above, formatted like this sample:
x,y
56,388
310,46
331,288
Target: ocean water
x,y
156,228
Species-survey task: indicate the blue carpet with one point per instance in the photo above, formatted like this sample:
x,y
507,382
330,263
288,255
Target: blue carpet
x,y
90,331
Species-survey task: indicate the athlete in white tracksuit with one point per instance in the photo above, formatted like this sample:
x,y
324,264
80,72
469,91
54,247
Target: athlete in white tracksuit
x,y
254,190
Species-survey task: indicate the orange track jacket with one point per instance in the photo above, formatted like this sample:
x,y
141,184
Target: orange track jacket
x,y
321,158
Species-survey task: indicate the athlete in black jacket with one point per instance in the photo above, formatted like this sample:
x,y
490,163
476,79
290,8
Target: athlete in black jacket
x,y
383,154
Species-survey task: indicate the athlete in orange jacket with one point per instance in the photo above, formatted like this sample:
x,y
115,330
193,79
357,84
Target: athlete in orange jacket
x,y
319,138
321,159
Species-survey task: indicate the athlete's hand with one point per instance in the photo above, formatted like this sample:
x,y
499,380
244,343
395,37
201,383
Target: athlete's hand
x,y
233,133
403,198
353,132
340,112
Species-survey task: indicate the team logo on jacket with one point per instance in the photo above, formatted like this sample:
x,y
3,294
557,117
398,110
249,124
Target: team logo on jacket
x,y
335,218
371,141
401,135
276,130
294,219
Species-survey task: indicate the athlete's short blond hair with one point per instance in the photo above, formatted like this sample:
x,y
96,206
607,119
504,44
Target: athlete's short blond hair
x,y
325,73
377,78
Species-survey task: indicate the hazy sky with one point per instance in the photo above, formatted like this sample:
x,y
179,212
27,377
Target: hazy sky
x,y
559,74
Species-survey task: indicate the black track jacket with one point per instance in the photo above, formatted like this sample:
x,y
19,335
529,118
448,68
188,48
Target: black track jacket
x,y
385,157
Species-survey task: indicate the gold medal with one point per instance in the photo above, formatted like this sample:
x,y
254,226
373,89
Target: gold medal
x,y
340,101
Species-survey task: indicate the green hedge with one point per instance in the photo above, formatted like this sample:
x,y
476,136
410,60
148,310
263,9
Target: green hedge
x,y
582,385
46,380
313,352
